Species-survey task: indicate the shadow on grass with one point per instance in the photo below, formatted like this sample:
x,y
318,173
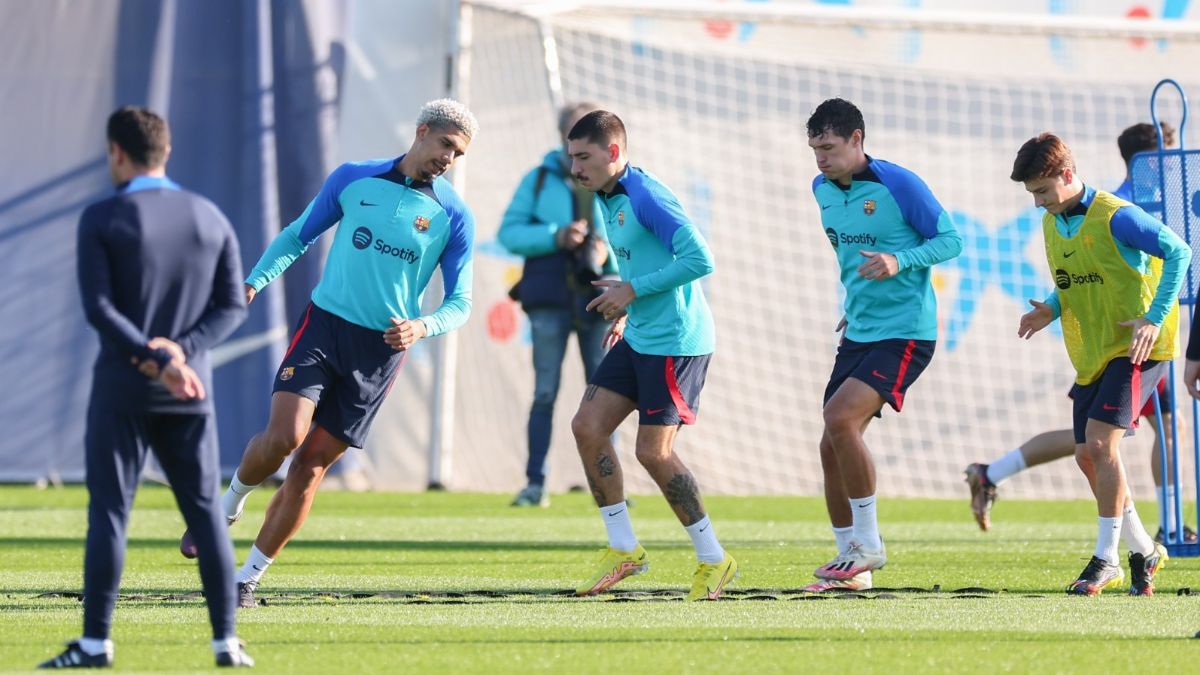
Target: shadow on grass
x,y
293,598
25,543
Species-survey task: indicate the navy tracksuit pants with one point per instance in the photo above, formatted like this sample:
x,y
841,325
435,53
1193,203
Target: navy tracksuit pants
x,y
185,445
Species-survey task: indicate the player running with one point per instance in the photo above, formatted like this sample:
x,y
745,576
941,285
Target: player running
x,y
658,369
1118,272
983,480
887,230
399,221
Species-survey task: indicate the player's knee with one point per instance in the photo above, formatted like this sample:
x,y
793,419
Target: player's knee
x,y
1097,451
838,423
827,453
651,456
306,472
1082,460
282,439
587,429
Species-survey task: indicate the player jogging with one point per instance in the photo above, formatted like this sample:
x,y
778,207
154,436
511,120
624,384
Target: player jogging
x,y
658,368
399,221
887,230
1117,273
983,480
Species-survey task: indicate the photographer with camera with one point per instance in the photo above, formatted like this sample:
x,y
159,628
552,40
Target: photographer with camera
x,y
556,226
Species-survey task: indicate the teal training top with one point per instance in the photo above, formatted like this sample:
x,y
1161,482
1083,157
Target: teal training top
x,y
662,254
394,231
887,209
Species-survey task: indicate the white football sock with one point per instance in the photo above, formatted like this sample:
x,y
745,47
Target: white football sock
x,y
234,498
1109,535
95,646
619,526
704,538
866,527
1008,465
843,535
228,645
255,567
1133,533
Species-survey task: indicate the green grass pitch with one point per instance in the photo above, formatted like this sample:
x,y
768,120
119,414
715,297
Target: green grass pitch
x,y
459,583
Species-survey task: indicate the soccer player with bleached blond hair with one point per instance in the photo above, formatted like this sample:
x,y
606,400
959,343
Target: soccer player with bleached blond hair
x,y
1117,272
399,221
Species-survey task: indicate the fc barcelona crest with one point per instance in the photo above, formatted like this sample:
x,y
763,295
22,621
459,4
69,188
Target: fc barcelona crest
x,y
869,206
421,223
287,373
621,218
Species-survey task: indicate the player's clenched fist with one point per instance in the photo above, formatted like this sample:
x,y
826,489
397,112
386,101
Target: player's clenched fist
x,y
404,333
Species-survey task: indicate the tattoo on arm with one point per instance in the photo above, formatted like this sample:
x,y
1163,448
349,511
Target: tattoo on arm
x,y
590,393
682,492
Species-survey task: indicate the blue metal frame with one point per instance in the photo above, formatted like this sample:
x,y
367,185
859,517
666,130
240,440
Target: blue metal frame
x,y
1173,539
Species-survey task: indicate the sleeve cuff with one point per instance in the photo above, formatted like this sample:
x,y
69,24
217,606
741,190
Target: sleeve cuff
x,y
161,356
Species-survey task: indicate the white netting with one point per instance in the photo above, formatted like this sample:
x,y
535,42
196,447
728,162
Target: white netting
x,y
716,108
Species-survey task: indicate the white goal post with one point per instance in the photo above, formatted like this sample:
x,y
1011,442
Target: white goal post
x,y
715,97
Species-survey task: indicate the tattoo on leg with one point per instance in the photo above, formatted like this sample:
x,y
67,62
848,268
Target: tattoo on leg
x,y
597,493
590,393
682,492
605,465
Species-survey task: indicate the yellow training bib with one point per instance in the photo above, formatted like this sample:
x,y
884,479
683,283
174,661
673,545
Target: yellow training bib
x,y
1098,289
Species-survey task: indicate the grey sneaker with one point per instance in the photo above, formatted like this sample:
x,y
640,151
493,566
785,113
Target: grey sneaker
x,y
532,495
235,659
245,593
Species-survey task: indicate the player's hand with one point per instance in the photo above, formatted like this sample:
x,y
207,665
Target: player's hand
x,y
183,382
571,235
1191,374
250,293
404,333
612,302
1144,335
1034,320
616,332
879,266
149,367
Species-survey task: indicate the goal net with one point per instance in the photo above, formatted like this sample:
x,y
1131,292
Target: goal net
x,y
716,105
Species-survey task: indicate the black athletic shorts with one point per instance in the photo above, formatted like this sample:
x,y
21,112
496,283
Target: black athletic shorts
x,y
346,369
1117,396
887,366
666,389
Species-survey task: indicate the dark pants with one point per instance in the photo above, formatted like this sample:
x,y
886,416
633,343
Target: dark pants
x,y
185,445
549,330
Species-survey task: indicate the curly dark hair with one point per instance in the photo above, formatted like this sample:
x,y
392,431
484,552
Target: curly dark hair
x,y
838,116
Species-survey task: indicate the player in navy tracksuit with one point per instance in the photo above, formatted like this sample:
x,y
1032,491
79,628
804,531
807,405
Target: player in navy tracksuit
x,y
160,277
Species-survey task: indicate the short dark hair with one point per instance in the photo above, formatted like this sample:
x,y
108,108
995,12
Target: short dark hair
x,y
839,116
1143,137
600,127
143,135
1042,156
